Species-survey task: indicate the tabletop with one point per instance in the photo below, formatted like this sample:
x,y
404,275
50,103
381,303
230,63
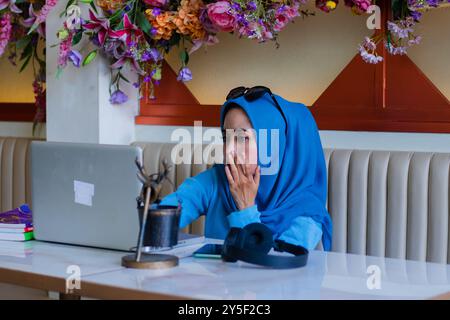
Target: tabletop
x,y
328,275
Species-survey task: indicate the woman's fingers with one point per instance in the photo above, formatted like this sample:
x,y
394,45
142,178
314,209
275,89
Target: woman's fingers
x,y
241,172
257,175
233,169
229,176
248,172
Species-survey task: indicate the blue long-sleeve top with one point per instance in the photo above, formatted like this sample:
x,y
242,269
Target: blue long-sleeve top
x,y
199,196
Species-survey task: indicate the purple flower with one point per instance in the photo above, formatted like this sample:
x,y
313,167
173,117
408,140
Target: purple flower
x,y
236,6
416,15
251,6
368,57
11,4
184,75
399,29
118,97
416,40
75,57
151,54
281,9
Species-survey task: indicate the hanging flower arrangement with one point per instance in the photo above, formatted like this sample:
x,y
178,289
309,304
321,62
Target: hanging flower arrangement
x,y
139,33
400,35
22,32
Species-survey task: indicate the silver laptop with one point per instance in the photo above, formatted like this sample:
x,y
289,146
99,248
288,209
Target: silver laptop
x,y
85,194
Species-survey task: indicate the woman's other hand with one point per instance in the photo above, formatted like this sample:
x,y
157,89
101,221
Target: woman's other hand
x,y
243,183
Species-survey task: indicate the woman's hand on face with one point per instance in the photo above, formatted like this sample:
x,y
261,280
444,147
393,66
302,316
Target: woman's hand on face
x,y
243,184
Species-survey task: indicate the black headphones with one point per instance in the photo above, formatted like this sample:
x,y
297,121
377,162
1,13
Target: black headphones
x,y
253,243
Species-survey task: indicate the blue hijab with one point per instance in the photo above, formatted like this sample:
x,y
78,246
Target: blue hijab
x,y
299,187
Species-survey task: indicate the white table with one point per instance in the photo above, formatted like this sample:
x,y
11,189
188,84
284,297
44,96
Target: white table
x,y
328,275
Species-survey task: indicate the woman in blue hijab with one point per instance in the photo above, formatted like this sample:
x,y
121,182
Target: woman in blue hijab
x,y
274,173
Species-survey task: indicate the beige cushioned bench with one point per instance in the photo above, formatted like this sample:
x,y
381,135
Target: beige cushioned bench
x,y
393,204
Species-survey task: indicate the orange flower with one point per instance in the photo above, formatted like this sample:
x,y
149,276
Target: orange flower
x,y
110,4
162,23
185,21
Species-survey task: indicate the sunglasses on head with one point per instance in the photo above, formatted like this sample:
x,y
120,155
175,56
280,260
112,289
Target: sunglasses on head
x,y
254,93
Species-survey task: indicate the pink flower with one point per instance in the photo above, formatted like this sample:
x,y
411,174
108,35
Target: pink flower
x,y
5,31
284,15
40,101
266,35
280,22
292,11
42,15
363,5
65,47
100,26
219,14
11,4
128,33
27,23
156,3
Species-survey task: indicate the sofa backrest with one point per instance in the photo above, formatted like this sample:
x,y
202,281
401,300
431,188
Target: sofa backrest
x,y
382,203
15,183
393,204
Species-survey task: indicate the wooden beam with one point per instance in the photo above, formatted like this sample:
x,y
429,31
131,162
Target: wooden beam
x,y
17,111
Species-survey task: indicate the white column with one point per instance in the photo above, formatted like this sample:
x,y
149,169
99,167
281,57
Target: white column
x,y
78,107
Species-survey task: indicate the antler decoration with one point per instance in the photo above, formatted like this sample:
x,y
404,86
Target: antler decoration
x,y
153,181
151,188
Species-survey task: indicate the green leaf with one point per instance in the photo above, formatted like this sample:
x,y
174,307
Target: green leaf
x,y
143,23
123,78
69,3
157,74
116,16
77,37
27,51
62,34
67,6
184,56
93,7
396,7
175,39
24,65
22,43
33,27
58,74
90,57
87,1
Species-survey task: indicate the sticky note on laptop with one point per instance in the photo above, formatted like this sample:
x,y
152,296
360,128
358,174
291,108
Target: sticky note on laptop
x,y
83,192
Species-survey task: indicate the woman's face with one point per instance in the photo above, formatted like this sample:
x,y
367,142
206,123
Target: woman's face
x,y
240,139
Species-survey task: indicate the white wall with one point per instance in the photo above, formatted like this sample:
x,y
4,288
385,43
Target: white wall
x,y
21,129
